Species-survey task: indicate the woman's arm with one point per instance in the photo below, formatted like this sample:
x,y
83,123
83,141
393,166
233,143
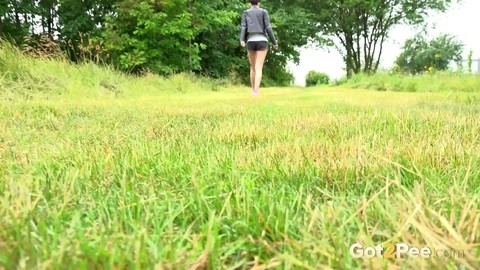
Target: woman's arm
x,y
243,30
268,27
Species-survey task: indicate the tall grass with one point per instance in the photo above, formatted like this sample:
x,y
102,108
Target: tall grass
x,y
442,81
30,77
156,179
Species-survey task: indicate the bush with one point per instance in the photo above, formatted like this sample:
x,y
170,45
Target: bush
x,y
317,78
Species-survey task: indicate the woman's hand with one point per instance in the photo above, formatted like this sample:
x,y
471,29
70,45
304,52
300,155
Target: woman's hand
x,y
242,43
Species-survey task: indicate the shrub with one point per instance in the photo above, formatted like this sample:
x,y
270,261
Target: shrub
x,y
316,78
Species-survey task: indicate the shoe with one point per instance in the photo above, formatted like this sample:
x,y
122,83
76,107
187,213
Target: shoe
x,y
255,92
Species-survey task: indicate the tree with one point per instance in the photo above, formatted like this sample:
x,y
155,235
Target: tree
x,y
221,55
16,19
5,18
47,9
360,27
81,23
160,35
420,55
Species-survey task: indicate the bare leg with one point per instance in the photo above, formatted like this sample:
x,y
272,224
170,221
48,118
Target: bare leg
x,y
260,59
252,56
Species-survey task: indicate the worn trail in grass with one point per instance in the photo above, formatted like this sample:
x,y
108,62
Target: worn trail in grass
x,y
223,180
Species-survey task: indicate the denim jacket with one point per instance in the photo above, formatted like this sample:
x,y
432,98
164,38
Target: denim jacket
x,y
256,20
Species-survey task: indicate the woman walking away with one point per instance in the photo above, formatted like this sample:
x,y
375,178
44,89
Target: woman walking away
x,y
254,30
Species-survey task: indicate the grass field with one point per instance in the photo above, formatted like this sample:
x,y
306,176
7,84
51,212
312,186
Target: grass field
x,y
100,171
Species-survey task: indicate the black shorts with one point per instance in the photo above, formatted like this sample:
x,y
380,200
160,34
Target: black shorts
x,y
257,45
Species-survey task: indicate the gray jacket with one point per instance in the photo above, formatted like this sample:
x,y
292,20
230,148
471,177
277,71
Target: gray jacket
x,y
256,20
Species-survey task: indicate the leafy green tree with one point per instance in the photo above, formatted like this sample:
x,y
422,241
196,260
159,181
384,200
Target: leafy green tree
x,y
359,28
16,19
420,54
222,55
81,23
5,10
47,9
160,35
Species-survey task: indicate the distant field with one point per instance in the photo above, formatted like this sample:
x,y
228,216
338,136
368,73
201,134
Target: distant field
x,y
98,171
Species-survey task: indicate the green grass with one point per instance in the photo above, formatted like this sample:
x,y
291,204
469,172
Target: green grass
x,y
167,174
439,81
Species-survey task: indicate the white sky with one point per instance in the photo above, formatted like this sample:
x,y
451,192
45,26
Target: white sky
x,y
461,20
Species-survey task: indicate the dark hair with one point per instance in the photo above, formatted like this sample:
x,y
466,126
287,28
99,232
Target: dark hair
x,y
254,2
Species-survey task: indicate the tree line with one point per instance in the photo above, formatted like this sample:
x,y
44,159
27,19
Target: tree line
x,y
200,36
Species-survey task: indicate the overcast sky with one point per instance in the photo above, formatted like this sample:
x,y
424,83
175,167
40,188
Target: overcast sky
x,y
461,20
